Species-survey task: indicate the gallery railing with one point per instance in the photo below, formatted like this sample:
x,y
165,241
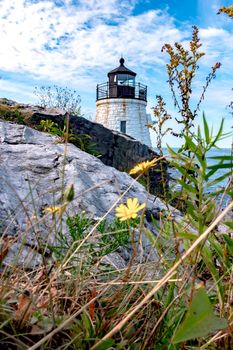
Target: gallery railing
x,y
114,90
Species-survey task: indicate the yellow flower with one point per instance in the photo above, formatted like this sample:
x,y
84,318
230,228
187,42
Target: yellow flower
x,y
53,210
129,211
143,167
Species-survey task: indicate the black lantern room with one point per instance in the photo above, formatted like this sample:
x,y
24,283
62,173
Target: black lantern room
x,y
121,84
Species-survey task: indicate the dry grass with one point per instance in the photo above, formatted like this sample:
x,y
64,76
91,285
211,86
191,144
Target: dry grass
x,y
65,304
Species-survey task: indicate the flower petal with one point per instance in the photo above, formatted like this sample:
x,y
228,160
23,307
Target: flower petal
x,y
129,202
142,206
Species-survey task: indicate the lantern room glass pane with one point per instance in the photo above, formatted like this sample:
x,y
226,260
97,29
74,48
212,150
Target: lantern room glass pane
x,y
131,80
125,79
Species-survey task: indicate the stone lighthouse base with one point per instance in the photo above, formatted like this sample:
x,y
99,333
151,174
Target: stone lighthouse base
x,y
111,112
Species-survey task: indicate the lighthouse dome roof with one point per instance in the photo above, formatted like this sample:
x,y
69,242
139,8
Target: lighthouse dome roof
x,y
122,69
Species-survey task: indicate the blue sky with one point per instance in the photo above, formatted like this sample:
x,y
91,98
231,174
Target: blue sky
x,y
75,43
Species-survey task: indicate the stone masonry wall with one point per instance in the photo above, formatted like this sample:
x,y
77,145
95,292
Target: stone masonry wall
x,y
110,112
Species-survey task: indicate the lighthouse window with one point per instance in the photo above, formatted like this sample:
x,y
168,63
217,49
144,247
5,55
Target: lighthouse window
x,y
123,126
121,79
125,79
131,81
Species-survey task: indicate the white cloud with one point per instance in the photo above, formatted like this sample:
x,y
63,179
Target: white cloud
x,y
68,43
78,44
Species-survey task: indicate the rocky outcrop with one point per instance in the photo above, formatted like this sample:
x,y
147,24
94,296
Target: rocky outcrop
x,y
114,148
35,168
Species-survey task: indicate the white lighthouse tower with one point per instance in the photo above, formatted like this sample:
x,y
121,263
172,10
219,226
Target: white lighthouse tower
x,y
121,104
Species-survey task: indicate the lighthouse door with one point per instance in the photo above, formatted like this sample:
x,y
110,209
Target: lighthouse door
x,y
123,126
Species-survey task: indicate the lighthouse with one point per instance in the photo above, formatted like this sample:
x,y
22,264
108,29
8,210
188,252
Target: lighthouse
x,y
121,104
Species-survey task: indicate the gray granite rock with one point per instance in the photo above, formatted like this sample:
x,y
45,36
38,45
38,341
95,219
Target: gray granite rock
x,y
34,169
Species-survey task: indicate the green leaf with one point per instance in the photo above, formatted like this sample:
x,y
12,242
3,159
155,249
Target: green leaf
x,y
221,166
210,173
206,130
170,297
219,134
219,179
106,344
171,151
186,234
208,258
229,242
229,224
192,210
200,319
177,155
87,325
184,172
151,237
199,137
191,145
221,190
187,187
196,149
222,158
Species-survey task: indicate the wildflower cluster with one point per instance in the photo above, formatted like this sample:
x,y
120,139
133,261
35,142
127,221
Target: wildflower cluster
x,y
227,10
161,116
182,69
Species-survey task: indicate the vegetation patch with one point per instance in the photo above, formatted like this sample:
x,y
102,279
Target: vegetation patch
x,y
11,114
